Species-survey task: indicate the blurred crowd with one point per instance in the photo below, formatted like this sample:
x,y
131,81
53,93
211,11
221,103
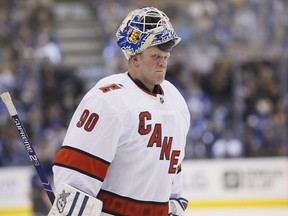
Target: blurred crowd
x,y
231,67
30,69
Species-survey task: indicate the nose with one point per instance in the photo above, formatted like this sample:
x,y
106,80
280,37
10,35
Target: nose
x,y
162,62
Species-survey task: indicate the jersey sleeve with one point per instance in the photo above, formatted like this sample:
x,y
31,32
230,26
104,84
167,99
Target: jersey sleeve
x,y
177,186
89,145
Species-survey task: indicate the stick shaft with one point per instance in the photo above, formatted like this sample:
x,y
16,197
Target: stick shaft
x,y
25,139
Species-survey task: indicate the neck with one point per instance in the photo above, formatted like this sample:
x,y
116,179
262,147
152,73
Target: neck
x,y
153,89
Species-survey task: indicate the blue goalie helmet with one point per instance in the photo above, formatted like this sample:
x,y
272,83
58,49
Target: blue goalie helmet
x,y
143,28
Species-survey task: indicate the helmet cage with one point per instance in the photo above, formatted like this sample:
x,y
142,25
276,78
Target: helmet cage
x,y
142,28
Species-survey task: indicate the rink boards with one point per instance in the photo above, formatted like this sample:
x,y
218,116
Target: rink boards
x,y
15,191
235,187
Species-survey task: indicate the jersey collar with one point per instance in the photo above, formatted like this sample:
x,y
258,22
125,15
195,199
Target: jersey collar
x,y
157,88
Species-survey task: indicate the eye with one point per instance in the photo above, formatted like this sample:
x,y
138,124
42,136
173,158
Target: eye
x,y
156,56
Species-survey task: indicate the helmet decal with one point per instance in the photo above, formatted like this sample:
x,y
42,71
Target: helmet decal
x,y
142,28
134,36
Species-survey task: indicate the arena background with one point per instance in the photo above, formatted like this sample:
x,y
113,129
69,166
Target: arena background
x,y
231,67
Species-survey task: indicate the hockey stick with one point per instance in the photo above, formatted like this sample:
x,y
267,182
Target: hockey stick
x,y
6,98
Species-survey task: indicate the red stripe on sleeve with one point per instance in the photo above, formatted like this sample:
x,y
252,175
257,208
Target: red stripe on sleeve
x,y
81,161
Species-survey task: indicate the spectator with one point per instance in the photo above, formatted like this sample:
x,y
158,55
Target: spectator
x,y
227,146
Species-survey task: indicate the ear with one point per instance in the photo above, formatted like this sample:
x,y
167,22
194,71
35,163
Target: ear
x,y
134,60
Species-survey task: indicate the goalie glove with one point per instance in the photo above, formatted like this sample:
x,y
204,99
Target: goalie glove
x,y
70,201
177,206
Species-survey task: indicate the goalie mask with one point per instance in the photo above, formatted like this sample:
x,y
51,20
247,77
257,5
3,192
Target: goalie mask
x,y
143,28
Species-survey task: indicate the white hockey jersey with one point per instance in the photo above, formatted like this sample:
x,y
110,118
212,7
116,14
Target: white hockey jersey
x,y
125,145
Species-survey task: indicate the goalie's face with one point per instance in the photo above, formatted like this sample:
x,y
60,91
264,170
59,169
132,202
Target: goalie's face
x,y
151,66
